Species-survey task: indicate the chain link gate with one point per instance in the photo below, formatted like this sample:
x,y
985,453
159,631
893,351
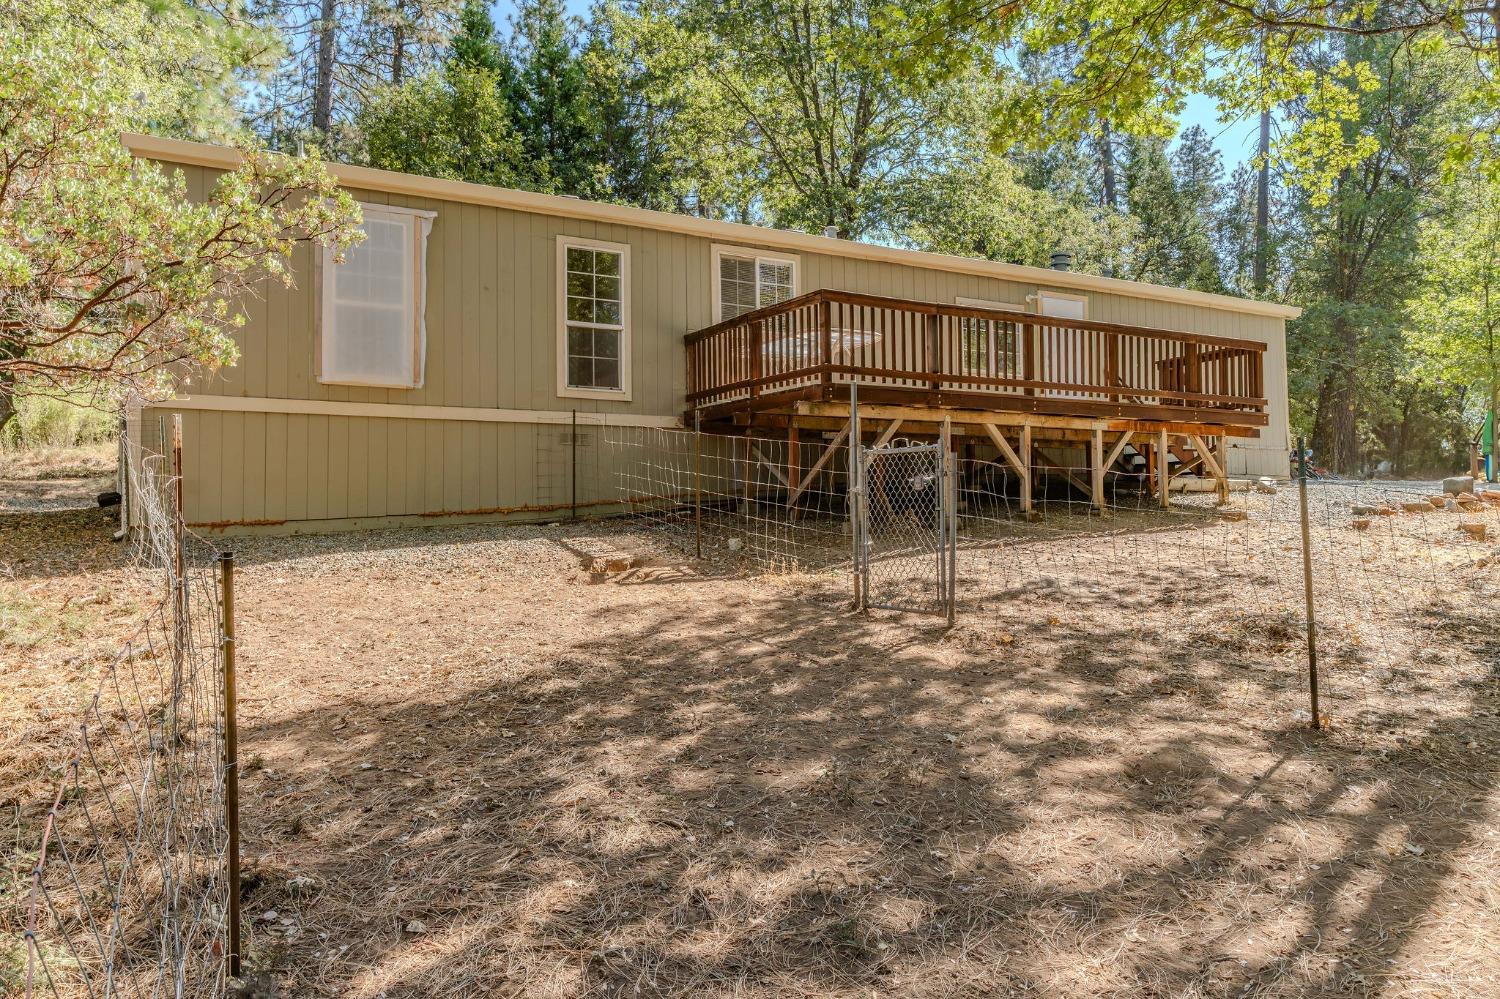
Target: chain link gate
x,y
906,528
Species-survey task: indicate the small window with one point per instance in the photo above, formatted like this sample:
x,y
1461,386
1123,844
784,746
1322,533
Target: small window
x,y
372,330
594,304
746,281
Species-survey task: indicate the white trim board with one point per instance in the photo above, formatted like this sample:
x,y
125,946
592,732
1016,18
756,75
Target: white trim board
x,y
397,411
984,303
368,179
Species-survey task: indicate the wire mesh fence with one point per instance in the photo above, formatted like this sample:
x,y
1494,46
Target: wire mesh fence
x,y
1211,594
130,894
781,505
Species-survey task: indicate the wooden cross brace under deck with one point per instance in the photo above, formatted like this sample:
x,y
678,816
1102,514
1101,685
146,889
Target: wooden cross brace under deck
x,y
1215,464
1022,467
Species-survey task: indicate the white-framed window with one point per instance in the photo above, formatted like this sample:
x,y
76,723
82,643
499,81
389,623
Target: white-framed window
x,y
989,345
745,280
371,325
593,311
1062,304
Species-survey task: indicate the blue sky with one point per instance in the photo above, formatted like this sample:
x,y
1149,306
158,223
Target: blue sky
x,y
1235,139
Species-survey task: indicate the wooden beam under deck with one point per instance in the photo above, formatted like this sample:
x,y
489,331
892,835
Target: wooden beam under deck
x,y
927,421
1014,407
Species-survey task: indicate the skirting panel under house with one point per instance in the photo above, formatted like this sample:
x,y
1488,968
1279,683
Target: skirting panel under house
x,y
298,465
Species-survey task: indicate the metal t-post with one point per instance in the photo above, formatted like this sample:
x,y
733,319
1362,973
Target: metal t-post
x,y
856,491
949,539
231,762
698,483
1307,586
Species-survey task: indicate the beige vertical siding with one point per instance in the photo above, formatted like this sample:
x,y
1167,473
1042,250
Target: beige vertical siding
x,y
491,344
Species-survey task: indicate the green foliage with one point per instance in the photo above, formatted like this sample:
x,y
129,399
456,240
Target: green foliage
x,y
1134,62
474,45
971,200
1175,201
110,276
450,123
550,97
780,121
334,57
1355,253
43,421
1455,313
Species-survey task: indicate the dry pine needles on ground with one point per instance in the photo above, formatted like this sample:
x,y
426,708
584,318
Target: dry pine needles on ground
x,y
476,764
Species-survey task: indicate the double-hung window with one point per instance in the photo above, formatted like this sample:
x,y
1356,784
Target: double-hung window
x,y
594,318
746,280
371,329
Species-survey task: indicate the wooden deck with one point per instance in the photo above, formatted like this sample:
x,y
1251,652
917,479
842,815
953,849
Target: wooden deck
x,y
812,348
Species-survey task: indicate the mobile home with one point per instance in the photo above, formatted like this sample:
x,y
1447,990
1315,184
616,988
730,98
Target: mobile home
x,y
452,366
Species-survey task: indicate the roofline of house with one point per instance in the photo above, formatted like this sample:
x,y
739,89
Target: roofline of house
x,y
390,182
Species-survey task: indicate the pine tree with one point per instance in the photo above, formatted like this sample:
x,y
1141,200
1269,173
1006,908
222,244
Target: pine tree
x,y
549,98
474,45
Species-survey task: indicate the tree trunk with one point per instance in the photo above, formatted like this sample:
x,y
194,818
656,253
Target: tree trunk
x,y
7,404
1263,206
1336,430
1107,165
398,53
322,118
1403,437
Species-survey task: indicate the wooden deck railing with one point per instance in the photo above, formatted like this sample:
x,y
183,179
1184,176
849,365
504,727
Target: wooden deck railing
x,y
815,345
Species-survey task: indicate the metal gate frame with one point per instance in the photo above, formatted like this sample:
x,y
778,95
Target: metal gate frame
x,y
946,529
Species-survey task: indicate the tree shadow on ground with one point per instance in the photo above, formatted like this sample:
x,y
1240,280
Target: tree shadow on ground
x,y
742,792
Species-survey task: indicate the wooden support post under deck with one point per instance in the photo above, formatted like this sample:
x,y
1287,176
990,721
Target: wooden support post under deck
x,y
1096,467
1223,454
888,433
856,489
1163,471
793,456
1026,465
747,476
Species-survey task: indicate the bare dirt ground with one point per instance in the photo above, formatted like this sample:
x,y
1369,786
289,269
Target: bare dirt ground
x,y
476,767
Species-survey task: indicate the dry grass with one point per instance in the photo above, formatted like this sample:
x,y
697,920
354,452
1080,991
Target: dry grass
x,y
38,479
41,464
68,599
474,768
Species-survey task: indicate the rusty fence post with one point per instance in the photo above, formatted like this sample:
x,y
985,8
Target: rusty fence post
x,y
698,483
1307,586
231,761
179,557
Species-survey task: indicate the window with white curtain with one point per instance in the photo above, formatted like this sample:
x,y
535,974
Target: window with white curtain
x,y
594,318
372,330
746,280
